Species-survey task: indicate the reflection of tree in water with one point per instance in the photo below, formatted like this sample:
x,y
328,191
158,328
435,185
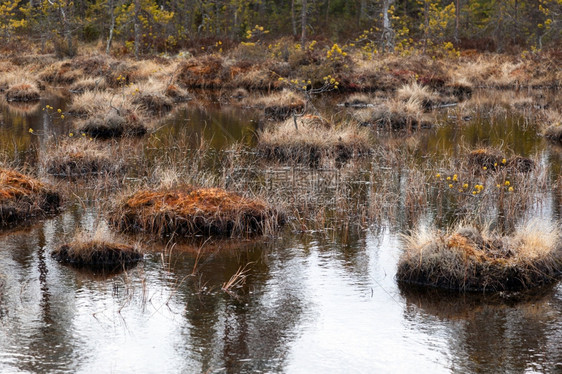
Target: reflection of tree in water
x,y
493,333
251,332
39,311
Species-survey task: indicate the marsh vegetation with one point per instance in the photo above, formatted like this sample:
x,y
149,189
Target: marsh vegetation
x,y
282,183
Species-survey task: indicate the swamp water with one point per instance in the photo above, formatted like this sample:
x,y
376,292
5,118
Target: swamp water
x,y
310,301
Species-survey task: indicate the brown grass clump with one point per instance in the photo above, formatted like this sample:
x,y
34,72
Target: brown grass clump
x,y
206,72
81,158
91,103
280,105
311,140
23,197
394,115
151,97
97,253
193,211
88,84
113,125
474,260
485,157
554,133
176,93
108,115
422,94
23,91
491,159
61,72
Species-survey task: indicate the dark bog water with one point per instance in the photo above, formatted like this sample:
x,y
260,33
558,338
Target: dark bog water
x,y
317,301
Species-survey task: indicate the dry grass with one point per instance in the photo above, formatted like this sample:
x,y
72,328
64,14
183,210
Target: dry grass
x,y
415,92
97,251
23,197
469,259
108,115
75,158
91,103
554,133
152,97
61,73
492,160
23,90
190,211
206,72
394,115
88,84
280,105
312,140
113,125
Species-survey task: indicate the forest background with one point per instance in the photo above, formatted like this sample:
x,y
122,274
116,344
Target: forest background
x,y
149,27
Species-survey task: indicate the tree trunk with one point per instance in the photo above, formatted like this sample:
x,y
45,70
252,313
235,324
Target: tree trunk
x,y
362,11
426,24
457,17
111,27
137,28
388,32
303,23
293,18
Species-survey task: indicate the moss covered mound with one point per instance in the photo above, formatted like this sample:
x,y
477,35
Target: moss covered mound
x,y
23,197
193,211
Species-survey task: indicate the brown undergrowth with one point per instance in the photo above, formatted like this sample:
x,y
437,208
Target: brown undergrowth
x,y
190,211
470,259
23,197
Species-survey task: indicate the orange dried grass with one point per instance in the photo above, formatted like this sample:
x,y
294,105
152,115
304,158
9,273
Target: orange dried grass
x,y
23,197
193,211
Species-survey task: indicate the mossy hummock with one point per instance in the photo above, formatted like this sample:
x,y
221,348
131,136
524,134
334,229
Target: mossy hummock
x,y
193,211
23,197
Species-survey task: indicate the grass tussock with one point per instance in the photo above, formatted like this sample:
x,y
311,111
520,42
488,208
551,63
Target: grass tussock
x,y
23,197
312,139
97,252
491,159
421,94
469,259
394,115
23,91
113,125
61,73
88,84
190,211
81,158
554,133
280,105
107,115
152,96
203,72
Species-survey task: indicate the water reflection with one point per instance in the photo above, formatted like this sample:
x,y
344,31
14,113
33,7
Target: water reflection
x,y
517,334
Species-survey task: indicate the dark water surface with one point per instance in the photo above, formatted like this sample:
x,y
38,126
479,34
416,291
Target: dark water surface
x,y
312,302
